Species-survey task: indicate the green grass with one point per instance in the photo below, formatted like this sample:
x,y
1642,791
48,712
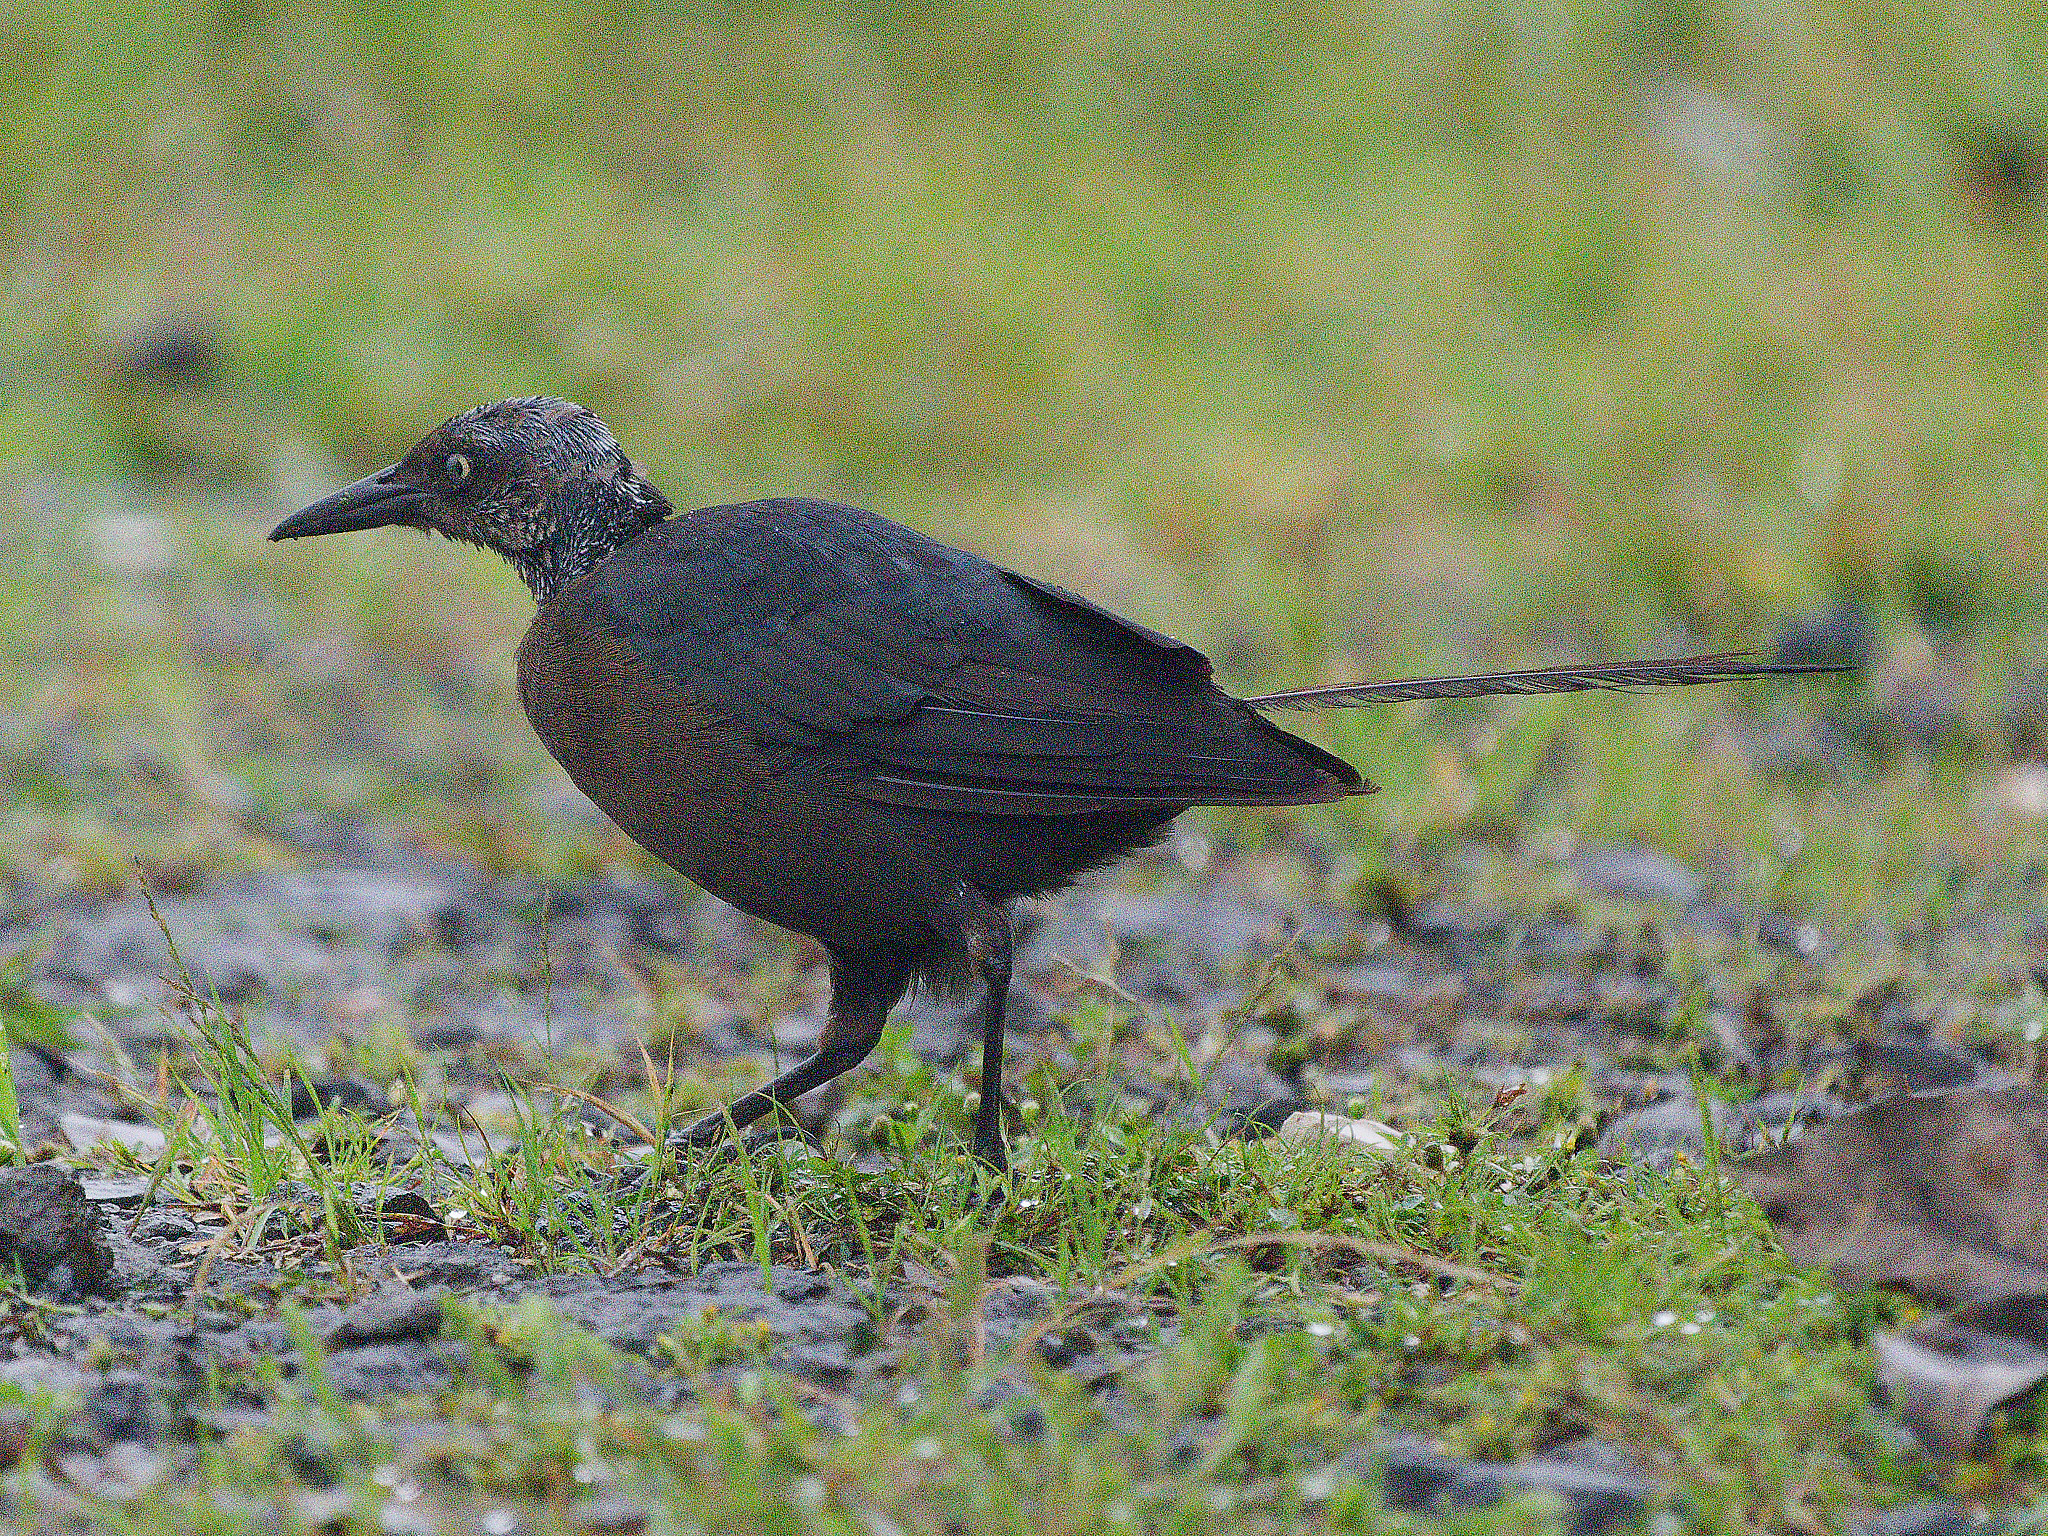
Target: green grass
x,y
1408,343
1495,1286
1393,341
1502,1297
1246,289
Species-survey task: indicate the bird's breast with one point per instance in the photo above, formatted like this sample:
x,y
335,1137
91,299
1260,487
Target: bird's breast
x,y
672,772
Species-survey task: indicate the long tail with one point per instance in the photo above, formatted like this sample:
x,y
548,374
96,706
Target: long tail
x,y
1624,676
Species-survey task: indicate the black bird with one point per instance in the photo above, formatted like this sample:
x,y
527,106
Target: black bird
x,y
849,729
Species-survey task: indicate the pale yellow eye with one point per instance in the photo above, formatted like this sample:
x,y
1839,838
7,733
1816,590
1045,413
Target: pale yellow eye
x,y
457,468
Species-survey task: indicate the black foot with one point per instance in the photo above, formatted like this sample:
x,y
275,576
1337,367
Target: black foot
x,y
712,1129
698,1137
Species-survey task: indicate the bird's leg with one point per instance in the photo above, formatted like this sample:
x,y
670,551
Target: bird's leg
x,y
863,992
986,929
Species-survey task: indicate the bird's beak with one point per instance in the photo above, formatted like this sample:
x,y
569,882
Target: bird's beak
x,y
374,502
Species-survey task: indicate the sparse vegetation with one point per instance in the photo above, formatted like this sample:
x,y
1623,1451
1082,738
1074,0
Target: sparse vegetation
x,y
1408,339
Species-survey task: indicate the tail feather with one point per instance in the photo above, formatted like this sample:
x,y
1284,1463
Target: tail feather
x,y
1622,676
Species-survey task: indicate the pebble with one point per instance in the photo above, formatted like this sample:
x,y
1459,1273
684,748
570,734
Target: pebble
x,y
1414,1477
389,1316
1311,1125
52,1232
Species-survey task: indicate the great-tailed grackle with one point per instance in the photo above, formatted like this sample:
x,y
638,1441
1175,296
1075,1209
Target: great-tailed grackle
x,y
842,726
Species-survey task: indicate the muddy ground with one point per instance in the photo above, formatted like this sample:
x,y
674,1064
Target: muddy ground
x,y
1297,988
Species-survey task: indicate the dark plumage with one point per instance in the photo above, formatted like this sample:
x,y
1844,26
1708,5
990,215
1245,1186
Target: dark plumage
x,y
842,726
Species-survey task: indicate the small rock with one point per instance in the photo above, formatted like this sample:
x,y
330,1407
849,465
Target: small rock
x,y
1726,1042
454,1264
125,1190
137,1268
163,1226
1777,1116
311,1095
1416,1478
1939,1517
1657,1133
1946,1375
123,1471
614,1517
314,1454
86,1132
1015,1409
391,1315
1781,932
1245,1093
122,1406
385,908
52,1231
1590,1454
1239,1099
1914,1066
48,1377
1639,874
1314,1125
370,1371
1439,922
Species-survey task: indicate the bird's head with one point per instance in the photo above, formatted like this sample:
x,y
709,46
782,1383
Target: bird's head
x,y
541,482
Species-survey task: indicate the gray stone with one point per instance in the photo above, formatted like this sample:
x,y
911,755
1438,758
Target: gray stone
x,y
1915,1066
123,1406
1939,1517
1414,1477
390,1315
612,1517
380,908
815,1326
1657,1133
52,1232
1640,874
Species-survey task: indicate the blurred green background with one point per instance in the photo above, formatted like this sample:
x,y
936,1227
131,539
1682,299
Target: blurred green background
x,y
1342,341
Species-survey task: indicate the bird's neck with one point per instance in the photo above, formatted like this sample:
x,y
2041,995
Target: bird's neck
x,y
606,514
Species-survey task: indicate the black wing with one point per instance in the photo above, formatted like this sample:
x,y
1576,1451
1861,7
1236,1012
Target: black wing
x,y
928,677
